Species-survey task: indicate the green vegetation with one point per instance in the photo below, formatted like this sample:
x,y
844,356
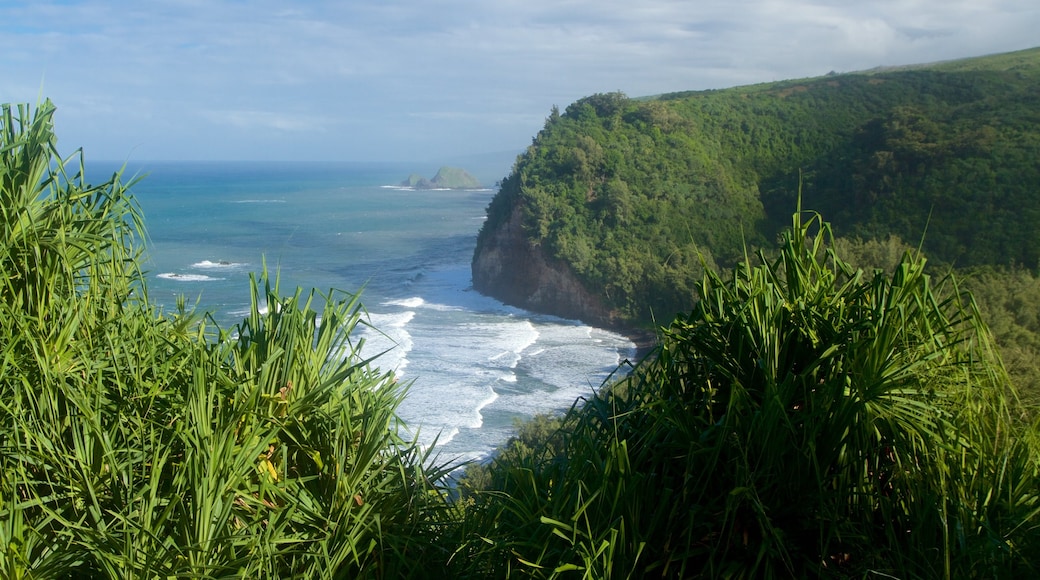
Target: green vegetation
x,y
629,193
138,445
804,419
828,407
447,177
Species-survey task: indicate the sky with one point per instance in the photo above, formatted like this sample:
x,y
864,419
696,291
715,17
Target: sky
x,y
403,80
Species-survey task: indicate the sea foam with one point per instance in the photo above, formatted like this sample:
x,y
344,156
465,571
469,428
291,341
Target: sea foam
x,y
186,277
220,264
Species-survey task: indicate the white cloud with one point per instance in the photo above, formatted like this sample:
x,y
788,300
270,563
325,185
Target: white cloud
x,y
408,76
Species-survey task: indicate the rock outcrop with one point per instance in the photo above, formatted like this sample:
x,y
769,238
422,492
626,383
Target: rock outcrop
x,y
506,266
446,178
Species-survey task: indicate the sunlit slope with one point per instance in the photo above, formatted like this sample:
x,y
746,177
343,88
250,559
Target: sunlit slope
x,y
635,196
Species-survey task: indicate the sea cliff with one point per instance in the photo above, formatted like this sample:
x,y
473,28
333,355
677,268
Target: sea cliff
x,y
618,207
508,267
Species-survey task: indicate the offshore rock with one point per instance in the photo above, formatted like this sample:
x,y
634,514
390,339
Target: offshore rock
x,y
446,178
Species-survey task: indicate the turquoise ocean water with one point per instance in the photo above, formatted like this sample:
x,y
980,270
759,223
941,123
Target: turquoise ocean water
x,y
475,364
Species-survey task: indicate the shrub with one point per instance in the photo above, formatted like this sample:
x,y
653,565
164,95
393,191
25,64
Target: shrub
x,y
134,444
804,419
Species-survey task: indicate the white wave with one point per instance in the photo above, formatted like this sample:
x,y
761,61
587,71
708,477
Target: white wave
x,y
443,439
186,277
392,320
413,302
388,339
511,358
480,407
442,307
259,201
573,362
454,287
499,339
418,302
209,265
243,312
477,365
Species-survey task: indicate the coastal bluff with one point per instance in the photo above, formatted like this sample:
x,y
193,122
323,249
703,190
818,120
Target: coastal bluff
x,y
620,206
509,268
446,178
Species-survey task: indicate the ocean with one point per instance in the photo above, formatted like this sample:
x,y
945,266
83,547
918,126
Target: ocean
x,y
475,366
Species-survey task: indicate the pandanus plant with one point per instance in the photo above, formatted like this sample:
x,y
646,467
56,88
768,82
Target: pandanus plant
x,y
806,418
140,444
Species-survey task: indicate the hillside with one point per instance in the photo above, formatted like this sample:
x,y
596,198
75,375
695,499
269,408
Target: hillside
x,y
617,206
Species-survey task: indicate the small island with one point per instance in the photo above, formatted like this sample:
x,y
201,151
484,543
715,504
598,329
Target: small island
x,y
446,178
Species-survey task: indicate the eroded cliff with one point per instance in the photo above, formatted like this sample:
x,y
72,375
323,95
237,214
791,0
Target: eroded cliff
x,y
509,268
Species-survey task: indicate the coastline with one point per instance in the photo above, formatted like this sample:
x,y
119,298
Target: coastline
x,y
646,341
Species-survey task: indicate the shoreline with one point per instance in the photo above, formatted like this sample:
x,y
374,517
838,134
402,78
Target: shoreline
x,y
646,341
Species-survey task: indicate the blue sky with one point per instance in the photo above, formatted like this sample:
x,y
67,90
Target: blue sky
x,y
410,80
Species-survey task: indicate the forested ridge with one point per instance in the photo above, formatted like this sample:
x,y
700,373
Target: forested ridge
x,y
629,192
637,196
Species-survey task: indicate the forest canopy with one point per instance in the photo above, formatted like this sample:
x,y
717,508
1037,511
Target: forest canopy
x,y
638,196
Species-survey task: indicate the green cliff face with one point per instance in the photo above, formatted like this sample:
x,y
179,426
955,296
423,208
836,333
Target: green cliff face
x,y
636,197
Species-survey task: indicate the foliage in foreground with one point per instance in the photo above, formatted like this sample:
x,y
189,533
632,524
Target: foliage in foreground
x,y
133,444
804,419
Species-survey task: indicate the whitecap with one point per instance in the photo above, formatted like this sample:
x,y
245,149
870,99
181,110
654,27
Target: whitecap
x,y
247,311
186,277
413,302
511,358
210,265
442,438
388,339
418,302
442,307
391,320
480,407
240,313
512,336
